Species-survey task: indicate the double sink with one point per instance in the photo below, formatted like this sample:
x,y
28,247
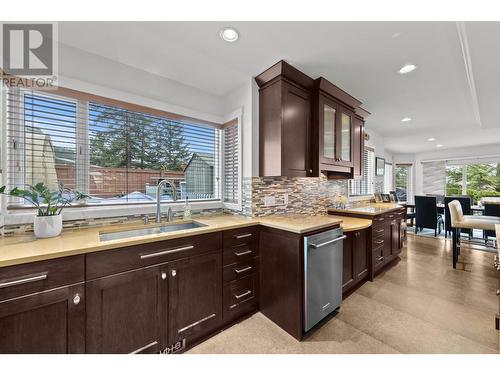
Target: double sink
x,y
110,236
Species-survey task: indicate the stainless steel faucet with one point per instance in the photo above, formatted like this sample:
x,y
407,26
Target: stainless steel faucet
x,y
160,186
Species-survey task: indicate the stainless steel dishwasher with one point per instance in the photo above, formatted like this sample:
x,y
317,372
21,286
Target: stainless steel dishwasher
x,y
322,275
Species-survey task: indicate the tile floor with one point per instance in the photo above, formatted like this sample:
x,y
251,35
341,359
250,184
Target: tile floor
x,y
421,305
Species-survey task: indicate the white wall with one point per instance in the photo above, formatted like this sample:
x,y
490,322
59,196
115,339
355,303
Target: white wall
x,y
246,97
88,72
377,142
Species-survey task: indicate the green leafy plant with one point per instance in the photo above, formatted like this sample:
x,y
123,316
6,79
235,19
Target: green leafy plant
x,y
47,202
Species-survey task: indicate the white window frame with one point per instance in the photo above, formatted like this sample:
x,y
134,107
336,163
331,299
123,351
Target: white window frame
x,y
238,115
410,190
363,196
15,216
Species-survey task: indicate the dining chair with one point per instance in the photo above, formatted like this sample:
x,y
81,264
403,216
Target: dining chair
x,y
491,209
466,203
427,215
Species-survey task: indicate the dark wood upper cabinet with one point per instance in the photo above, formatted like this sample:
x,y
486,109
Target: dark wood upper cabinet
x,y
285,121
307,126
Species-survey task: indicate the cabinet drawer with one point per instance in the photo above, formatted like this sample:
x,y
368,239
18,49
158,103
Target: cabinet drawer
x,y
114,261
237,271
378,257
241,297
378,220
390,216
240,237
240,254
378,242
39,276
378,232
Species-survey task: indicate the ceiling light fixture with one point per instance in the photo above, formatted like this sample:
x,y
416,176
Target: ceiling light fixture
x,y
431,139
229,34
407,68
406,119
439,145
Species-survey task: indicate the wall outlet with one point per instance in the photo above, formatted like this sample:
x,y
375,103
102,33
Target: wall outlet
x,y
285,199
269,200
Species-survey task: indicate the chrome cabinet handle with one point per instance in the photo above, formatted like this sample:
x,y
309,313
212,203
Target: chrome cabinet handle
x,y
379,230
240,254
239,296
196,323
144,347
379,242
380,258
76,299
174,273
163,275
171,251
328,242
240,236
241,270
23,280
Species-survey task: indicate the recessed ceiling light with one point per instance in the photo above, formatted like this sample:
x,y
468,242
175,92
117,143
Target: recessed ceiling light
x,y
431,139
406,119
229,34
439,145
407,68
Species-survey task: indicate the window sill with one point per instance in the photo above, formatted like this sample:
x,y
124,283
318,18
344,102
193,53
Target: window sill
x,y
24,216
356,198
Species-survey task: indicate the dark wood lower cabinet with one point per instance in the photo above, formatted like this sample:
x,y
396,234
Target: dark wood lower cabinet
x,y
355,259
124,312
48,322
194,297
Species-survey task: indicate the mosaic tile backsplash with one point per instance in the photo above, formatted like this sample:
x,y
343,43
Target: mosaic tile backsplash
x,y
311,196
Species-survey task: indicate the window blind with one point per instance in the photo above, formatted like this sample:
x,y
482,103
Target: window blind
x,y
231,163
113,154
41,140
365,186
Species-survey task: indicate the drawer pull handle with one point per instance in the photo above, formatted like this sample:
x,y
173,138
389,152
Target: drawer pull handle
x,y
160,253
240,236
379,230
241,253
239,296
379,242
23,280
380,258
241,270
145,347
196,323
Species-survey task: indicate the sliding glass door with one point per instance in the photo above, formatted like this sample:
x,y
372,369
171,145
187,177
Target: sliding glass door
x,y
403,182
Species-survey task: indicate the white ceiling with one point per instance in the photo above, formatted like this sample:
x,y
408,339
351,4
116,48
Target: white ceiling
x,y
447,99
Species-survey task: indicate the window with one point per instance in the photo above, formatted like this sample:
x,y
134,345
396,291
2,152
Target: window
x,y
366,185
388,179
117,155
231,163
473,178
403,182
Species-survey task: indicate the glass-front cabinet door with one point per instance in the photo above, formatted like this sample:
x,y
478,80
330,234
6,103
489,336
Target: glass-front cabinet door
x,y
328,123
345,150
329,117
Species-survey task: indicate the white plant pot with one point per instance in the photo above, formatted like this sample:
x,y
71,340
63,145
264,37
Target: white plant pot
x,y
47,226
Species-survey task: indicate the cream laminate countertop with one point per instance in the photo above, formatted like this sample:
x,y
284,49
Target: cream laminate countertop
x,y
370,209
26,248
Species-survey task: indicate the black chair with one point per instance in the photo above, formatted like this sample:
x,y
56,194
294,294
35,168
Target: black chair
x,y
466,202
439,200
426,214
491,209
409,215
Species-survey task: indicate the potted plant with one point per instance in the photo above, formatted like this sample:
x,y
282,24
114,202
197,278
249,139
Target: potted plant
x,y
49,205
